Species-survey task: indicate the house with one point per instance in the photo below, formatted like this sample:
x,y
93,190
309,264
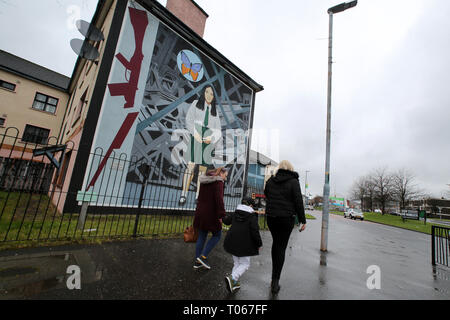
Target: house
x,y
33,101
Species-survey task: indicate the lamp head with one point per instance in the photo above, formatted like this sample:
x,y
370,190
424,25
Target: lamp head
x,y
342,7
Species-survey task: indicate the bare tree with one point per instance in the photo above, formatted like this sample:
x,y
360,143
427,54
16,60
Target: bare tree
x,y
370,187
383,187
404,187
359,190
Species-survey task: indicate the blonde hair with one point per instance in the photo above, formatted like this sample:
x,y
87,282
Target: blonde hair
x,y
285,165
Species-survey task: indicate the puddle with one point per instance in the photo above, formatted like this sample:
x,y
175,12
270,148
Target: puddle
x,y
31,289
323,258
17,271
30,275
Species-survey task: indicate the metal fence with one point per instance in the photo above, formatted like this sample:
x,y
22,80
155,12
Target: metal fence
x,y
440,245
132,198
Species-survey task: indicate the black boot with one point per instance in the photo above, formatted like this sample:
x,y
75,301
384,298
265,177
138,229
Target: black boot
x,y
275,286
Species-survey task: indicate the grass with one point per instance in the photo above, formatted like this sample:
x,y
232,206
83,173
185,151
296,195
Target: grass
x,y
310,217
29,220
395,221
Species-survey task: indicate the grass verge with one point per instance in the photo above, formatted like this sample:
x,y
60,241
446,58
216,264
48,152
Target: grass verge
x,y
394,221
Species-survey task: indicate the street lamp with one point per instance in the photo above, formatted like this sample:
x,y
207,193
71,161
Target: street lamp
x,y
306,187
326,188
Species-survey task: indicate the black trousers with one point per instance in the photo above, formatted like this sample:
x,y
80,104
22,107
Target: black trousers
x,y
281,229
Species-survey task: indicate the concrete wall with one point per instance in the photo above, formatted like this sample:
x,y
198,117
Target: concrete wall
x,y
82,87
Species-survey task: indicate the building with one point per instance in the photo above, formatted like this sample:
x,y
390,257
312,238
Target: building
x,y
128,110
260,169
33,102
122,115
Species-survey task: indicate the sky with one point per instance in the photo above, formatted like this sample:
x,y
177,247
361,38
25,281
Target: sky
x,y
390,105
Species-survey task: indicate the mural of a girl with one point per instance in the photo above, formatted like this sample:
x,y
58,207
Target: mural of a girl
x,y
203,124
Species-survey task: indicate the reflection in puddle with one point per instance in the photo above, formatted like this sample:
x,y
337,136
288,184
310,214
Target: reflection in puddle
x,y
441,276
323,258
33,288
17,271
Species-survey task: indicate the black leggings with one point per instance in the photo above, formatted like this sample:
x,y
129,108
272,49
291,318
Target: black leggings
x,y
281,229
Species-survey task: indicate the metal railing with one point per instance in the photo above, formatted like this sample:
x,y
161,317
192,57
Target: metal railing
x,y
132,198
440,245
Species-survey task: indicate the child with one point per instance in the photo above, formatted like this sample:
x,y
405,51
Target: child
x,y
242,240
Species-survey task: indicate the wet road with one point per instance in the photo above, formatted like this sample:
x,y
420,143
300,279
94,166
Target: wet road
x,y
162,269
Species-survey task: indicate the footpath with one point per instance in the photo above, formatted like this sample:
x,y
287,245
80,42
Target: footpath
x,y
365,261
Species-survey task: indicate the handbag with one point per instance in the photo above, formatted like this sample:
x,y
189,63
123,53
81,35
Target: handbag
x,y
190,234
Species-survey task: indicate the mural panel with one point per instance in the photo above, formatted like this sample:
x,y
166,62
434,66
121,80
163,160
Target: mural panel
x,y
169,114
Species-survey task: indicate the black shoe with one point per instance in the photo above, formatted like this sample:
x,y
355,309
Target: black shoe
x,y
275,286
204,262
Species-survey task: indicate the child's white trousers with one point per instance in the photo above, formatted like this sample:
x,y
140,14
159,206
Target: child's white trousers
x,y
241,264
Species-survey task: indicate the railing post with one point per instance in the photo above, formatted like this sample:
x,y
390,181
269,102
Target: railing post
x,y
82,216
146,168
433,247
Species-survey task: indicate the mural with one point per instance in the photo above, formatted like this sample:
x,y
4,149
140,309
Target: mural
x,y
170,113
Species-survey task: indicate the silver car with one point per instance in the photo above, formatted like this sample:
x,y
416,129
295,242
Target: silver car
x,y
354,214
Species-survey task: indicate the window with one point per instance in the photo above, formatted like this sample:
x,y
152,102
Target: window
x,y
45,103
35,134
2,122
7,85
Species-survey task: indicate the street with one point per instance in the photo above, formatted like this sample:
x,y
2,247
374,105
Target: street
x,y
163,269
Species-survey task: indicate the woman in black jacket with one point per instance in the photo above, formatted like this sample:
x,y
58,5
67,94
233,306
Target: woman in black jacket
x,y
283,201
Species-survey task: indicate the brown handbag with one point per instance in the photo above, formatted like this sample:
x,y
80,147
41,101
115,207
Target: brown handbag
x,y
190,234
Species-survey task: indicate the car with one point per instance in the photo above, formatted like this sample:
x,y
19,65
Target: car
x,y
357,214
309,207
347,213
377,210
354,214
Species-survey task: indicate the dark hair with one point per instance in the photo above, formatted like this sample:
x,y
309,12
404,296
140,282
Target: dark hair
x,y
248,202
216,172
201,101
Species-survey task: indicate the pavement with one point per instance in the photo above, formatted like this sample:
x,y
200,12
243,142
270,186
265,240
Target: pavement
x,y
359,253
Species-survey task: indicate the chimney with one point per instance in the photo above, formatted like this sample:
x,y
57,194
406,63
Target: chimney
x,y
190,13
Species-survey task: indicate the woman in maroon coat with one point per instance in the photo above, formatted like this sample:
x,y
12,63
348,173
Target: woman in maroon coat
x,y
209,213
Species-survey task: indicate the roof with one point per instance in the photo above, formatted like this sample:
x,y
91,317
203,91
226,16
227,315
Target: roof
x,y
256,157
32,71
200,8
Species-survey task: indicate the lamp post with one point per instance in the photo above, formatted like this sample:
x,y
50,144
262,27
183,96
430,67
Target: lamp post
x,y
326,188
306,187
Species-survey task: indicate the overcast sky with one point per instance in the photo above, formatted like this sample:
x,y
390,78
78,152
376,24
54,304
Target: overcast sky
x,y
390,101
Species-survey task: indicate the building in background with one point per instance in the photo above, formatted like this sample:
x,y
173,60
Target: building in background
x,y
260,169
33,102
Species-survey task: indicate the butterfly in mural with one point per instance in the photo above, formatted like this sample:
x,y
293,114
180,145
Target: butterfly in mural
x,y
190,68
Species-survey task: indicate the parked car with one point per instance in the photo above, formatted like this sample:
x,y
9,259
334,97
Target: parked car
x,y
354,214
377,210
309,207
347,213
